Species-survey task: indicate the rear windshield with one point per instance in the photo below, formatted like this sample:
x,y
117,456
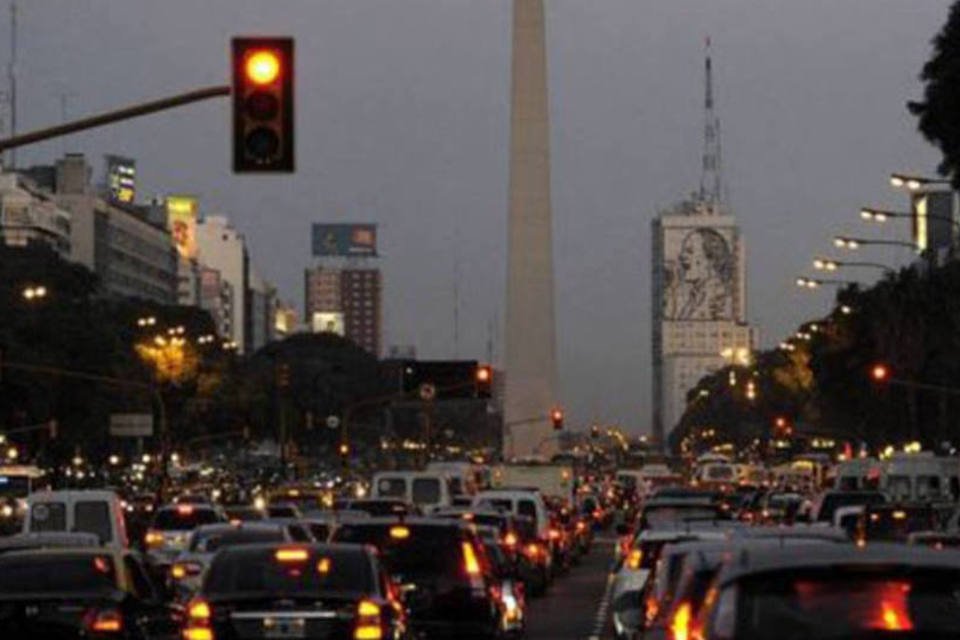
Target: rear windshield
x,y
93,516
57,574
897,525
666,517
380,507
210,541
392,487
183,520
256,571
426,550
649,553
834,501
832,604
48,516
245,514
527,508
426,491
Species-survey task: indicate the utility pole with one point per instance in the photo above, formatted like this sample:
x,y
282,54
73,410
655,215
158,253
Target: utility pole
x,y
12,77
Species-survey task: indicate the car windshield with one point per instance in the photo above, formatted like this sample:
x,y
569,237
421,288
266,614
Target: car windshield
x,y
58,573
290,572
211,541
834,604
408,550
183,519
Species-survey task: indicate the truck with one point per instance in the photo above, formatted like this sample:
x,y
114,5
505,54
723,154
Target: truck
x,y
552,480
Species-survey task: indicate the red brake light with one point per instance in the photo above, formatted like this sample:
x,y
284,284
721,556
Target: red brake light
x,y
291,555
680,625
104,621
635,559
554,534
153,539
368,621
181,570
470,562
198,621
184,509
199,610
510,540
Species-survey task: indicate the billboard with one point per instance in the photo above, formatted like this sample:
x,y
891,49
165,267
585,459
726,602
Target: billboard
x,y
344,240
121,178
182,212
933,220
131,425
328,322
700,273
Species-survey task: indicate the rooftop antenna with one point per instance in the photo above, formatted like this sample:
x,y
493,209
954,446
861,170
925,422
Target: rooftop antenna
x,y
711,180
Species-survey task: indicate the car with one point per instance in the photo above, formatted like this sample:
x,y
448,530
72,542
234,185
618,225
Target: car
x,y
881,590
244,513
172,525
630,575
90,511
286,510
428,490
893,523
439,565
260,591
507,584
829,501
379,506
669,513
82,593
205,541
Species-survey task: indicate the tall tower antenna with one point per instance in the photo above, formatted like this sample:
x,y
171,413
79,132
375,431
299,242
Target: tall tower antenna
x,y
12,76
711,180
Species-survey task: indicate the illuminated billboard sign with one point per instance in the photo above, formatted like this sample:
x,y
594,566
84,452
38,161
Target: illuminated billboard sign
x,y
121,178
933,220
345,240
328,322
182,212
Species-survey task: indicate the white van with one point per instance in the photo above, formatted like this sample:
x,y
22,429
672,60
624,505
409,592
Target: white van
x,y
429,490
915,477
521,502
96,512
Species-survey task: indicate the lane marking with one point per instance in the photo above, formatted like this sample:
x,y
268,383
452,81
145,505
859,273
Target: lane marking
x,y
600,620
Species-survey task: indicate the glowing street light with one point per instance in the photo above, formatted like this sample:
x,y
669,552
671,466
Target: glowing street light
x,y
829,264
914,183
36,292
845,242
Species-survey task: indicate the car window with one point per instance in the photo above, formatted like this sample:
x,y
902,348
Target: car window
x,y
57,573
93,517
211,541
423,550
289,571
319,531
392,487
299,533
184,519
527,508
48,516
426,491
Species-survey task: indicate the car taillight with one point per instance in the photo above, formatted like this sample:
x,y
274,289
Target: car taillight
x,y
581,526
680,625
510,540
181,570
597,514
471,565
368,626
553,534
153,539
291,554
634,559
198,621
103,621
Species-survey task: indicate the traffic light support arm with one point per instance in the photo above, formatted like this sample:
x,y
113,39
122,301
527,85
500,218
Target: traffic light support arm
x,y
118,115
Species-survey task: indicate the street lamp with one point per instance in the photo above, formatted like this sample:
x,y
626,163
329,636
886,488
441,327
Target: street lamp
x,y
147,321
829,264
815,283
914,183
882,215
36,292
846,242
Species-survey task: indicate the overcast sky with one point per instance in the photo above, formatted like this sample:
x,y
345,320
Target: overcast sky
x,y
403,113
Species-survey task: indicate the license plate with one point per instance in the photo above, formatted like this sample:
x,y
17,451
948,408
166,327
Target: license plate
x,y
284,628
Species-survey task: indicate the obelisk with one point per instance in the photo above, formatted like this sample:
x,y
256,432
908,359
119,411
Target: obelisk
x,y
531,368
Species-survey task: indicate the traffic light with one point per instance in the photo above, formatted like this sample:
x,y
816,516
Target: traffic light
x,y
263,139
556,417
880,372
343,450
484,381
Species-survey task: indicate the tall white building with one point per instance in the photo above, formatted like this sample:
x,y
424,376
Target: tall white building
x,y
699,304
699,285
223,248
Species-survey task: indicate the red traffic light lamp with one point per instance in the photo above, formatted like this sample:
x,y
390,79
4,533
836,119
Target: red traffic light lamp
x,y
880,372
483,381
484,373
556,418
263,66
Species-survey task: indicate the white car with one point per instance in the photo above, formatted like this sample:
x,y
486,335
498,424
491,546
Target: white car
x,y
187,570
172,525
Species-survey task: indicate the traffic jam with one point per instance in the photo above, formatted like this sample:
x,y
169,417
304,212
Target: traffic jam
x,y
454,551
860,548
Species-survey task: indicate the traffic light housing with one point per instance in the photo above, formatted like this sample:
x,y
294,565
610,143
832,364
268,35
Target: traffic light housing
x,y
484,381
556,418
263,75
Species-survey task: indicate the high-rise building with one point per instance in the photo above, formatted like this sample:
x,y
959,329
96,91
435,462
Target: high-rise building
x,y
28,216
222,248
699,291
217,298
343,290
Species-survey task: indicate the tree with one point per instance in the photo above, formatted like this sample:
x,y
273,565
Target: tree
x,y
939,111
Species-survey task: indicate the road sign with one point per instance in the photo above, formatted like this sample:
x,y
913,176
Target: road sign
x,y
333,422
131,425
428,392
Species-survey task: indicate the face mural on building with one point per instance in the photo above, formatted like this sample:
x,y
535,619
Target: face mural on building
x,y
700,278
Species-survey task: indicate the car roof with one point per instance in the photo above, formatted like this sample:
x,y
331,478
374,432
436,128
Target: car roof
x,y
415,522
316,547
832,534
115,552
191,505
680,501
764,559
254,525
669,535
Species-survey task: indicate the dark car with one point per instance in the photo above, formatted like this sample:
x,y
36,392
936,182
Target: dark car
x,y
833,591
830,501
82,593
440,567
380,507
335,592
893,523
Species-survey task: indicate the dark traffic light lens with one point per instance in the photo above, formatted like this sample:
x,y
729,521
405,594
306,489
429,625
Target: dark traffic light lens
x,y
262,106
262,143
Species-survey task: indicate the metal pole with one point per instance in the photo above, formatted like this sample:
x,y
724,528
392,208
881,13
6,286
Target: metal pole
x,y
13,78
110,117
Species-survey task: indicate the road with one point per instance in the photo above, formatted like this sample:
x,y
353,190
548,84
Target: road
x,y
575,608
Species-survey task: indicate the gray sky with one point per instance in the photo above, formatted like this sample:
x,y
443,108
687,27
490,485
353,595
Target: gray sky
x,y
403,120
